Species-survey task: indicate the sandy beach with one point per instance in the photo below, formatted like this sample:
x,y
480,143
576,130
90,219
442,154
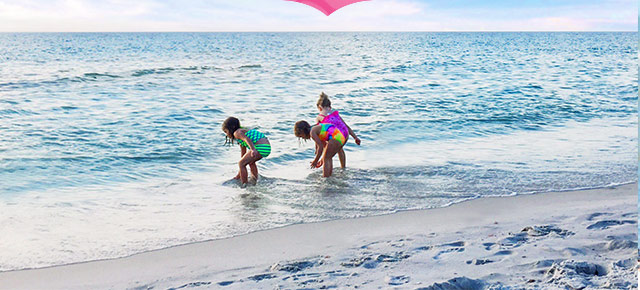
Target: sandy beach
x,y
560,240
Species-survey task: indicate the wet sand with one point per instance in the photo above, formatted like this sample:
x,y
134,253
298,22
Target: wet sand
x,y
561,240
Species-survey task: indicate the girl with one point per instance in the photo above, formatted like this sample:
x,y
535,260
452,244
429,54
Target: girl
x,y
329,140
329,116
257,143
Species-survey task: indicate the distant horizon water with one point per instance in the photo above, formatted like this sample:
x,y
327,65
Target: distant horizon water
x,y
336,31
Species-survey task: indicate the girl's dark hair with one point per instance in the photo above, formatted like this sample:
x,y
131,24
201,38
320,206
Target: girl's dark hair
x,y
231,124
324,101
302,129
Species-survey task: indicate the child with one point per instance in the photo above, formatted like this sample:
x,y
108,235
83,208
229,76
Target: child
x,y
257,143
329,116
329,140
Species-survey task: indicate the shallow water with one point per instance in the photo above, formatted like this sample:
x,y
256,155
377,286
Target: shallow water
x,y
110,144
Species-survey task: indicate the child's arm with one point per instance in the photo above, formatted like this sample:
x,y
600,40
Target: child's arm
x,y
319,148
353,134
239,134
319,118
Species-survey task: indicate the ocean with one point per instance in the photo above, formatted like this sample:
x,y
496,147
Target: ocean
x,y
111,143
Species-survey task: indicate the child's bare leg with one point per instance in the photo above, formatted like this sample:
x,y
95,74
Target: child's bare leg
x,y
254,170
327,170
329,151
244,161
343,158
243,174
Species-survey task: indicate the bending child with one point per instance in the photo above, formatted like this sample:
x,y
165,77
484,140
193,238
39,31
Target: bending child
x,y
257,143
329,141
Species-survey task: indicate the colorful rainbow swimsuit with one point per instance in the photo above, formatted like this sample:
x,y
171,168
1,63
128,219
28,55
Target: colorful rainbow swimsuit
x,y
254,135
328,132
334,119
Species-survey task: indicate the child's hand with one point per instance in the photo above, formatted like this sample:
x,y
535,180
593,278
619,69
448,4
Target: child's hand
x,y
357,141
320,163
315,164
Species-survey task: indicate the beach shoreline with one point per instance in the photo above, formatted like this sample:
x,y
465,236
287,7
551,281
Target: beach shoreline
x,y
585,238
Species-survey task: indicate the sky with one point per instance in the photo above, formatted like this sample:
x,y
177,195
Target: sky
x,y
281,15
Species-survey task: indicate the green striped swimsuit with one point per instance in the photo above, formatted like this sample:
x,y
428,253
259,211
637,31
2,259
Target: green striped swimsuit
x,y
254,135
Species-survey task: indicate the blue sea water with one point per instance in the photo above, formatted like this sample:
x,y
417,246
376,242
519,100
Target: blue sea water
x,y
110,143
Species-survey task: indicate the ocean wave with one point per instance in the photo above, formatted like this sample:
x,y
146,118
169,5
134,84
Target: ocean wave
x,y
166,70
6,113
143,72
340,82
250,66
101,77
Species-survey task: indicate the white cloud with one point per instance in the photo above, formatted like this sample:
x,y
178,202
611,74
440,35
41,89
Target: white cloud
x,y
557,23
378,9
280,15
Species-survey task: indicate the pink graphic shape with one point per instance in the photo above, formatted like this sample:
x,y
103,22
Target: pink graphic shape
x,y
327,6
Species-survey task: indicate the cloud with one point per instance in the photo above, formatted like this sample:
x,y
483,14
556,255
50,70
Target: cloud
x,y
280,15
553,23
378,9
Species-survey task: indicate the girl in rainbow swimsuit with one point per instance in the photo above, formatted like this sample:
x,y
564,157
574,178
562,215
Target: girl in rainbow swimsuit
x,y
329,140
257,143
329,116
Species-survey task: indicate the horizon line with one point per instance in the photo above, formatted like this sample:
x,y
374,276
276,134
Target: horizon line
x,y
326,31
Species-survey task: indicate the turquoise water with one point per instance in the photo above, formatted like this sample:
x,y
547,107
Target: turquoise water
x,y
121,131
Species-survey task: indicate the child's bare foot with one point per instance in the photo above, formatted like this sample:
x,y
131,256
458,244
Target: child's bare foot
x,y
252,180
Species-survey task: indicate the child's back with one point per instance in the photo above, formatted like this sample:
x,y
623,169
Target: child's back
x,y
330,116
334,118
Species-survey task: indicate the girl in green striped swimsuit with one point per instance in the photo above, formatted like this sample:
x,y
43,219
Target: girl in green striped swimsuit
x,y
257,143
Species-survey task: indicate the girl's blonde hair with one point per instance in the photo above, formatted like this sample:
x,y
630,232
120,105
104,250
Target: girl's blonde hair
x,y
324,101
